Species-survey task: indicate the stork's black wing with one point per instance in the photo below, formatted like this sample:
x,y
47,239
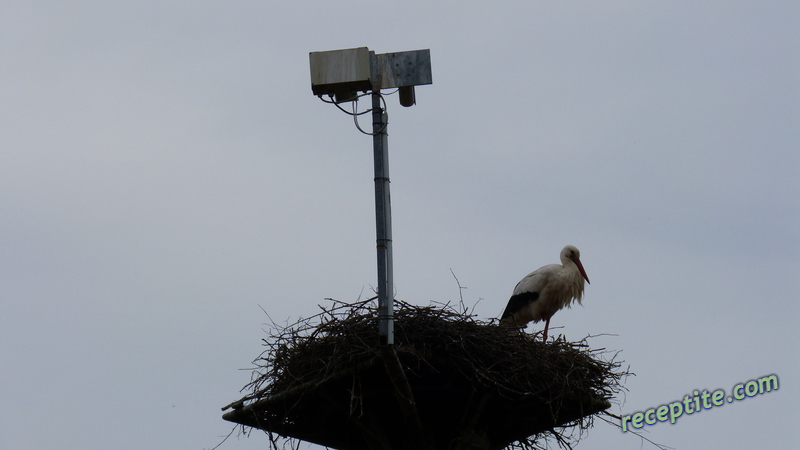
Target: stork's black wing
x,y
516,302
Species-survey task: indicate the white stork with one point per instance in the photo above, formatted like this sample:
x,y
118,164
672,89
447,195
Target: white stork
x,y
546,290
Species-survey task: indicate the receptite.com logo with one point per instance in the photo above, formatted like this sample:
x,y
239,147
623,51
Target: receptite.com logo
x,y
699,401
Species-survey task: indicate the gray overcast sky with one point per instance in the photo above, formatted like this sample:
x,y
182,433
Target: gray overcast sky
x,y
166,171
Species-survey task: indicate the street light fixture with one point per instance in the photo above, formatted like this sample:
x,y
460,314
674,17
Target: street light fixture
x,y
342,74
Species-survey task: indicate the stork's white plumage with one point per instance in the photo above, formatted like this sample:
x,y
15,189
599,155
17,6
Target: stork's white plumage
x,y
546,290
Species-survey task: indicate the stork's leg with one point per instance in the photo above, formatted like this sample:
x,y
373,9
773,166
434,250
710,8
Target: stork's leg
x,y
546,326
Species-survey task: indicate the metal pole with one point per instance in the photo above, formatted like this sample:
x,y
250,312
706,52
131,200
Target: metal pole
x,y
383,221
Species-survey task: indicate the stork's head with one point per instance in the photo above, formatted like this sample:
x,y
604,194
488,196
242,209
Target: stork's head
x,y
571,253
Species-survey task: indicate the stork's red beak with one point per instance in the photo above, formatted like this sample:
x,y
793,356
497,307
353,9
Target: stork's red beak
x,y
580,267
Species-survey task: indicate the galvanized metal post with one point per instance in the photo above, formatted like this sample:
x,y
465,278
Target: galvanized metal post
x,y
342,74
383,221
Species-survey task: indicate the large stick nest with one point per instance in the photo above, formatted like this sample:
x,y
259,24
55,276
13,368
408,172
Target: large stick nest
x,y
464,382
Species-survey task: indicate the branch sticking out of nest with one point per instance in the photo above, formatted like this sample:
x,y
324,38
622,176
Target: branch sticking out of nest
x,y
471,383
